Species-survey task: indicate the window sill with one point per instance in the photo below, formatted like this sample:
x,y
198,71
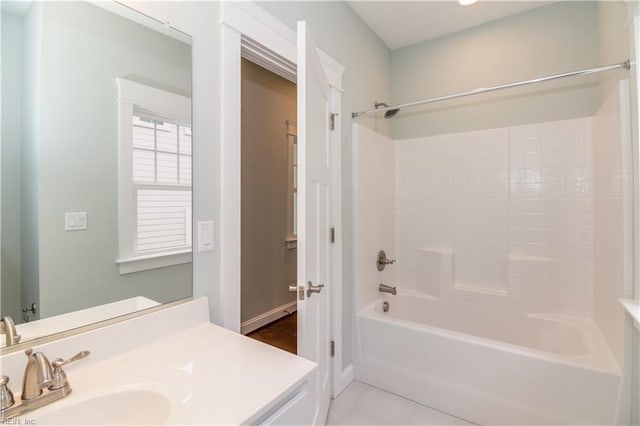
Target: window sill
x,y
153,261
633,309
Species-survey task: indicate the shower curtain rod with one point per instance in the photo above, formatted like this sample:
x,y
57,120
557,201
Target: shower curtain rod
x,y
626,65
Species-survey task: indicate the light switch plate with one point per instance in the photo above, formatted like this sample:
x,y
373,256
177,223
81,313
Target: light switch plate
x,y
75,221
205,236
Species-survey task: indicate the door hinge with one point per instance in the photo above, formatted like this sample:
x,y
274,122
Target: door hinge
x,y
333,235
332,121
333,348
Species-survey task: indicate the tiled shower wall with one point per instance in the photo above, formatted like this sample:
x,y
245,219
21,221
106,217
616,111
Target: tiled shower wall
x,y
374,192
513,206
613,262
533,218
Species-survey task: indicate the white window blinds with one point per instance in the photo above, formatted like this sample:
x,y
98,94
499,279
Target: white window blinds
x,y
162,184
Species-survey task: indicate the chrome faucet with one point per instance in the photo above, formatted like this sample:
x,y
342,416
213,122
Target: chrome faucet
x,y
383,288
37,375
8,328
43,383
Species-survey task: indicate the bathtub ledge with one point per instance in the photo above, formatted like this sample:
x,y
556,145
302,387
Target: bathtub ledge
x,y
633,309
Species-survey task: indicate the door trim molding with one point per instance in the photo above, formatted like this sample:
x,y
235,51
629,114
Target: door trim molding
x,y
246,29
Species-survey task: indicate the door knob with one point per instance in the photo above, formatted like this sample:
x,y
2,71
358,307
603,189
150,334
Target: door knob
x,y
293,288
314,289
28,311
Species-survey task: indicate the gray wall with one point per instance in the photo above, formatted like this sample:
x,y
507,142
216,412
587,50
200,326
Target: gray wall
x,y
339,32
548,40
70,155
11,137
79,153
268,101
613,42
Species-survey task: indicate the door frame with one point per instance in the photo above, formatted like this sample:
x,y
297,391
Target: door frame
x,y
248,31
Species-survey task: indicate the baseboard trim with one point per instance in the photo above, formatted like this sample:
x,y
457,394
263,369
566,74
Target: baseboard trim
x,y
270,316
346,377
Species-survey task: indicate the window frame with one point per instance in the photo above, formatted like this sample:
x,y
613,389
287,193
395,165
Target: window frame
x,y
132,96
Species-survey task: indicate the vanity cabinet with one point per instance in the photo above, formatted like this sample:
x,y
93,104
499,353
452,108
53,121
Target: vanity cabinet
x,y
297,409
196,372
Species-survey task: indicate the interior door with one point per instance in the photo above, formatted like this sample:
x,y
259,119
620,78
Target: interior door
x,y
314,309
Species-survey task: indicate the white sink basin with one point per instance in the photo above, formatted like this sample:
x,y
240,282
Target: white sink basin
x,y
131,407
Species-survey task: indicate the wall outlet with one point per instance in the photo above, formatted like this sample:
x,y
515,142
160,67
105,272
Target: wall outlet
x,y
75,221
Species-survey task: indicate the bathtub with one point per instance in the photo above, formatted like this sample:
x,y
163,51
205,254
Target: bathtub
x,y
488,367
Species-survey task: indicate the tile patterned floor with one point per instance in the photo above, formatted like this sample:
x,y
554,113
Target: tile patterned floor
x,y
361,404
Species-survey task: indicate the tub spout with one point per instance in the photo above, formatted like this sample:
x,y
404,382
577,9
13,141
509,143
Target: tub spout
x,y
383,288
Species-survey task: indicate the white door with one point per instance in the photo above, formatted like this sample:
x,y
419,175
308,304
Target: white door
x,y
314,311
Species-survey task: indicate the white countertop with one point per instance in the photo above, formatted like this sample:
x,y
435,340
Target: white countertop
x,y
211,375
216,376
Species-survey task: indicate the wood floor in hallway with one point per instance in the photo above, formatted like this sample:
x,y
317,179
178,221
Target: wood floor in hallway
x,y
282,333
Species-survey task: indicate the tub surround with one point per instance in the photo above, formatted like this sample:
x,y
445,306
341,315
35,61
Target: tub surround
x,y
488,375
513,248
375,215
208,374
534,216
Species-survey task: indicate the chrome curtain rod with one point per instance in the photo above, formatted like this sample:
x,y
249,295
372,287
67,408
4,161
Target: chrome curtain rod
x,y
626,65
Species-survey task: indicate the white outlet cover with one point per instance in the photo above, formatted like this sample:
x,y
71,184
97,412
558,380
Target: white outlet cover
x,y
75,221
205,236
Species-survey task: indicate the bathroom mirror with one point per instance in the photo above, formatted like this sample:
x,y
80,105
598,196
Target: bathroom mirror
x,y
96,164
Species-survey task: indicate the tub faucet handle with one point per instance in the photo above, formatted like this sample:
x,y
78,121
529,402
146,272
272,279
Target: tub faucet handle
x,y
382,260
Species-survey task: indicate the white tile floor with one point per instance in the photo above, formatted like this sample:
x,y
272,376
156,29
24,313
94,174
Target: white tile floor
x,y
361,404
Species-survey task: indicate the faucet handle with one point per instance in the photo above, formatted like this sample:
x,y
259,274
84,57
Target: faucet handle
x,y
382,260
6,396
59,362
59,376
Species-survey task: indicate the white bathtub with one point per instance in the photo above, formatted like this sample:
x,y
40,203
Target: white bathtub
x,y
491,367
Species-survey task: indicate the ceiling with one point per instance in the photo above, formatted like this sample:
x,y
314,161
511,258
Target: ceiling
x,y
402,23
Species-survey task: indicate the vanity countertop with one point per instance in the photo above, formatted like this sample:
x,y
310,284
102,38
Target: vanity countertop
x,y
212,375
209,375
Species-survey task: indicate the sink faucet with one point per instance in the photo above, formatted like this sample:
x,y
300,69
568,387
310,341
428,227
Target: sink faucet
x,y
8,328
43,383
383,288
37,375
